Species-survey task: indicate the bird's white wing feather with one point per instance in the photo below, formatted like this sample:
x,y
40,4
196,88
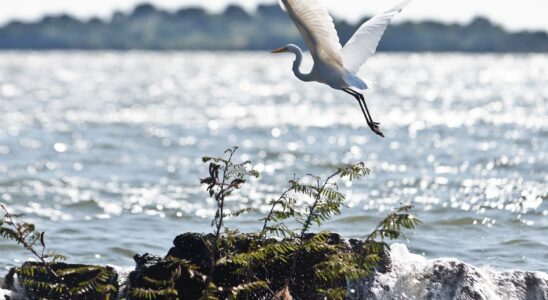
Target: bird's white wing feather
x,y
363,44
317,28
282,5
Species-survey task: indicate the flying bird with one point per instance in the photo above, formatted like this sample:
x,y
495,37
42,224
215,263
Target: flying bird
x,y
334,65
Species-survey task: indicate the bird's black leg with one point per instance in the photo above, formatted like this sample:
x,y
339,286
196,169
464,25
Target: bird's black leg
x,y
355,95
365,105
361,100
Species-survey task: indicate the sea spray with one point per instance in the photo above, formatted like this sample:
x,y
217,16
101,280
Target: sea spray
x,y
412,276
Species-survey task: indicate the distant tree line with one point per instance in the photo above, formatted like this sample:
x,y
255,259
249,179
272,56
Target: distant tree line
x,y
148,27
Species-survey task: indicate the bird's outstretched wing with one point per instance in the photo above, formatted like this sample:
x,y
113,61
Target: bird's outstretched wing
x,y
317,28
363,44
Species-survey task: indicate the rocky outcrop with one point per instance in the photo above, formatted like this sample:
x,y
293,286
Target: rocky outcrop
x,y
193,248
402,275
79,282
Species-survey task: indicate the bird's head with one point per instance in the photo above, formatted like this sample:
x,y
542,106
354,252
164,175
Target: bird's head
x,y
288,48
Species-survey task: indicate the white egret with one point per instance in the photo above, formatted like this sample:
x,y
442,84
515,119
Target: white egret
x,y
334,65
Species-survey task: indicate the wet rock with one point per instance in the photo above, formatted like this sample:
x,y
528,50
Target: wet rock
x,y
457,278
195,248
79,282
153,274
9,282
402,275
526,285
415,277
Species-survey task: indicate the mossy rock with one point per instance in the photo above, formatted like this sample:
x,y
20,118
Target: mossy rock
x,y
78,281
194,248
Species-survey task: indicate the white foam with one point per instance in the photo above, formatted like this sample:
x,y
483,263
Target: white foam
x,y
17,294
5,293
413,276
123,278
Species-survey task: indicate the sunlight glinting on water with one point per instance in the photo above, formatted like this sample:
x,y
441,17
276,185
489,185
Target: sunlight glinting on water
x,y
114,140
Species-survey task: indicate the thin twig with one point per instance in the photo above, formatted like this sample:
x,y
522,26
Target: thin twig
x,y
219,197
22,240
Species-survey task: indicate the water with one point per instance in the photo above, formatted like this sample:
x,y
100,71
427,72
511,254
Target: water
x,y
102,149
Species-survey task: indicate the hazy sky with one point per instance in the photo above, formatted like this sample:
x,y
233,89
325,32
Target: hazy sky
x,y
512,14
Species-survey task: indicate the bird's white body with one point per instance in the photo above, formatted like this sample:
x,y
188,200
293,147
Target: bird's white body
x,y
334,65
335,76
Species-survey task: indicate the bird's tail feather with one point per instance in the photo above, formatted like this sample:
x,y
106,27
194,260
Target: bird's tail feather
x,y
357,82
370,83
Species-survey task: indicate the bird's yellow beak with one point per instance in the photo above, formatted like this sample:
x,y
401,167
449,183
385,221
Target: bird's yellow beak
x,y
279,50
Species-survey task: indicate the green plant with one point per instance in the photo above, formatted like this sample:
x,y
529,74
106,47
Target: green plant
x,y
322,201
76,281
225,177
47,277
26,235
165,288
327,202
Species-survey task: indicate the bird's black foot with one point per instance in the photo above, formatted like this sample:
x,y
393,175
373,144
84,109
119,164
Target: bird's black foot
x,y
375,128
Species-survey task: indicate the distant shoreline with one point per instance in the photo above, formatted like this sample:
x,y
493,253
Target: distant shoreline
x,y
150,28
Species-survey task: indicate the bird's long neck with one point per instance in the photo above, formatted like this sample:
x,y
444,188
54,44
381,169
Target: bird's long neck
x,y
297,64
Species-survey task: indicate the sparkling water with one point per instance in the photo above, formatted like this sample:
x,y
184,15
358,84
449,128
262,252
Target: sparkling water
x,y
102,149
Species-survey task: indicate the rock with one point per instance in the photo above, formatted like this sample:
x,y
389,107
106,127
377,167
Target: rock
x,y
81,281
415,277
194,248
401,275
9,283
524,285
153,274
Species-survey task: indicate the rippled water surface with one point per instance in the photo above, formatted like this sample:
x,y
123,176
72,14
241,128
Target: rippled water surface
x,y
102,150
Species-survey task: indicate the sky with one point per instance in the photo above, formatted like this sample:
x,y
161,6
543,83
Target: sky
x,y
511,14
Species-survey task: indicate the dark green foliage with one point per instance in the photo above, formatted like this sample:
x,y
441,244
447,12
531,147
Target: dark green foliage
x,y
327,202
77,281
268,28
273,269
49,279
391,227
153,285
25,234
